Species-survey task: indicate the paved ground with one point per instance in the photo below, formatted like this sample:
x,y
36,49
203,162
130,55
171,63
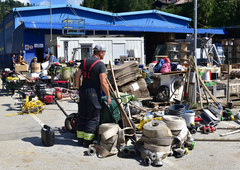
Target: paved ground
x,y
21,146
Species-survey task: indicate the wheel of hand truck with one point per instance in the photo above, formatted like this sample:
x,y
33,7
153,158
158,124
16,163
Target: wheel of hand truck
x,y
71,122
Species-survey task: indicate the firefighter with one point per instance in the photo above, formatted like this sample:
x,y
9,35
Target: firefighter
x,y
89,107
20,58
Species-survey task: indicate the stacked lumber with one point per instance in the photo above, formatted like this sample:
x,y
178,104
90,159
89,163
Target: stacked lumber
x,y
128,79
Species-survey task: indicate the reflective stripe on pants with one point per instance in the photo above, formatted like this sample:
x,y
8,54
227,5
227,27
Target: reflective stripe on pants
x,y
88,136
80,134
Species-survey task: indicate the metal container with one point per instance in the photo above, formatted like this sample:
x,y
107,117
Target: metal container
x,y
65,73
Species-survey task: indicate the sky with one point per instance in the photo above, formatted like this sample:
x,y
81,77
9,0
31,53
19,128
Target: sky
x,y
54,2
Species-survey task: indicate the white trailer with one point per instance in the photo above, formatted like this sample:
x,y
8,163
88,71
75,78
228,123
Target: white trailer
x,y
62,47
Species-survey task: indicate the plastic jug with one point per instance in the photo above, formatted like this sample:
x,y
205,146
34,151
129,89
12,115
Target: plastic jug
x,y
150,68
47,135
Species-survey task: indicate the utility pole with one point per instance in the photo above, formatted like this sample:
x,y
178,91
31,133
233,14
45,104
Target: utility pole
x,y
195,31
50,20
195,47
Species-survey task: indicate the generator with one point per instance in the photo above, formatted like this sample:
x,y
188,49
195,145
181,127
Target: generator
x,y
46,93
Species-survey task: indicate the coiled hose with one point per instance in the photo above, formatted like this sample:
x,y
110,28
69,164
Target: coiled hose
x,y
30,107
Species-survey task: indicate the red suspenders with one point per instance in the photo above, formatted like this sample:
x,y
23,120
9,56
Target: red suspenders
x,y
85,70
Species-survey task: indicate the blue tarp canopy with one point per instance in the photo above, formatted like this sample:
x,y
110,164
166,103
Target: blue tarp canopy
x,y
43,25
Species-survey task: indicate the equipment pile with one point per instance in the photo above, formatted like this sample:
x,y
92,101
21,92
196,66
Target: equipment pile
x,y
128,78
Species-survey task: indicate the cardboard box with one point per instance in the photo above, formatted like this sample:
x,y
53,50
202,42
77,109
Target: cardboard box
x,y
19,67
36,67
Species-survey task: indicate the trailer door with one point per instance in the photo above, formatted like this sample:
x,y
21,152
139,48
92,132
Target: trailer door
x,y
118,49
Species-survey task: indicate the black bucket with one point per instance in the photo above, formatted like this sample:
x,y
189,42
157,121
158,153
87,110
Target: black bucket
x,y
177,110
47,135
230,105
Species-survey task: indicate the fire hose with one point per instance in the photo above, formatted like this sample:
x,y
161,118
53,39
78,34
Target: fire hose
x,y
174,122
155,144
156,129
148,156
111,135
182,135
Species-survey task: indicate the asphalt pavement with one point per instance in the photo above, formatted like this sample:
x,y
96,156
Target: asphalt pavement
x,y
21,146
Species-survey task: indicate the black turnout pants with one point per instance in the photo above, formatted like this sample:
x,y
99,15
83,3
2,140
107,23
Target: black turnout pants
x,y
89,112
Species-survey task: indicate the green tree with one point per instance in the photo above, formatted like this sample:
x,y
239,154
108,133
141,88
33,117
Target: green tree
x,y
205,11
7,5
101,4
226,13
185,10
118,5
88,3
211,13
2,12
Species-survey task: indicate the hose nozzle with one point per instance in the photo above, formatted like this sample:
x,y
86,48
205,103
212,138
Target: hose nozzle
x,y
147,160
91,151
207,130
158,163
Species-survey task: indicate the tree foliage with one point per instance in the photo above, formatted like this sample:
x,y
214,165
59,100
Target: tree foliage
x,y
210,13
7,5
118,5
